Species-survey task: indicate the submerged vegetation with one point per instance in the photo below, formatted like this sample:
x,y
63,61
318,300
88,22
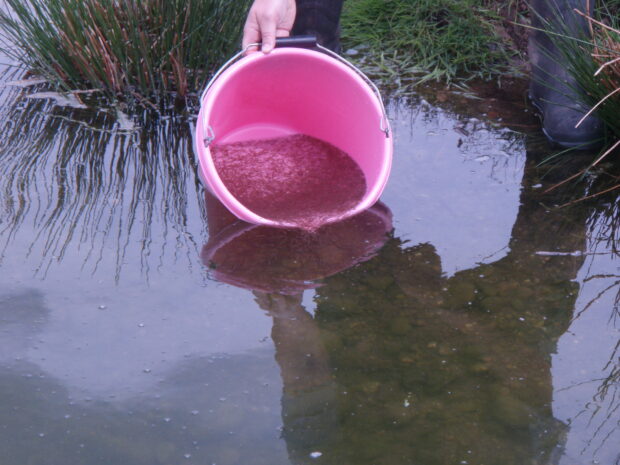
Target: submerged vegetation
x,y
145,50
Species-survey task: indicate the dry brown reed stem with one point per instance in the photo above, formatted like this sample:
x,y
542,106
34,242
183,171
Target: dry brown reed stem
x,y
611,62
555,186
600,102
610,51
607,152
607,54
583,172
588,197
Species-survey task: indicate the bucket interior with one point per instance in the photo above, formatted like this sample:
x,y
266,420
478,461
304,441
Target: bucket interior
x,y
298,91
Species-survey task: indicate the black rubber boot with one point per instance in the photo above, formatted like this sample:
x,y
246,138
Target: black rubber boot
x,y
320,18
553,90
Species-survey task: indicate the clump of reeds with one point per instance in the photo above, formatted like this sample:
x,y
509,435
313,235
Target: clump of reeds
x,y
595,64
606,53
413,41
144,49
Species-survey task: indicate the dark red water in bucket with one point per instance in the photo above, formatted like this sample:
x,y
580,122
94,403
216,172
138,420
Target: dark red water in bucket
x,y
295,180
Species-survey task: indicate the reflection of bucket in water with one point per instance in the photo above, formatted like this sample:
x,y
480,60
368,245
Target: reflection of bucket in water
x,y
287,261
294,91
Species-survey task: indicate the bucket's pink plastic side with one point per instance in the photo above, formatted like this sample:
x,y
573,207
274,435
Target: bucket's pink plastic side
x,y
216,186
295,91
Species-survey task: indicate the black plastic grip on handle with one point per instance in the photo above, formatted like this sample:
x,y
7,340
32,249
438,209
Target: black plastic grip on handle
x,y
296,41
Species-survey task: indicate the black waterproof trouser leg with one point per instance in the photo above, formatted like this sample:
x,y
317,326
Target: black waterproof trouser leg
x,y
320,18
553,90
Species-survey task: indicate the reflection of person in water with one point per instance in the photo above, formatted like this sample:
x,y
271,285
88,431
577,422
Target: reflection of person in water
x,y
453,370
309,391
403,365
278,265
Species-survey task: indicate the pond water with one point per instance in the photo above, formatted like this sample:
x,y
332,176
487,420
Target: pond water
x,y
466,319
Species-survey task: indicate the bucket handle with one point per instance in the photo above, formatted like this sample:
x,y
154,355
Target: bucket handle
x,y
296,41
385,128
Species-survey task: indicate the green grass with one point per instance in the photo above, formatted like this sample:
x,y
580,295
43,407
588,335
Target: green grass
x,y
413,41
138,50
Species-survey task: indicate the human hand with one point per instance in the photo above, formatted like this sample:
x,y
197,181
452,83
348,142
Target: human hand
x,y
268,19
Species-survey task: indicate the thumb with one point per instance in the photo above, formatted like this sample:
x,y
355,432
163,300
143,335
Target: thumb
x,y
267,26
269,38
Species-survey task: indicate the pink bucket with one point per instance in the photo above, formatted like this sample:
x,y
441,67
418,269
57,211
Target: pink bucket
x,y
294,91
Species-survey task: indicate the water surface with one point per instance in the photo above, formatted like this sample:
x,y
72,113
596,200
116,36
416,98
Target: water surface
x,y
465,320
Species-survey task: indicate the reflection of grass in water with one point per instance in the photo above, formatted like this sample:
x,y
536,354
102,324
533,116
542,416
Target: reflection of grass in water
x,y
608,391
604,233
604,227
604,407
611,381
605,221
85,183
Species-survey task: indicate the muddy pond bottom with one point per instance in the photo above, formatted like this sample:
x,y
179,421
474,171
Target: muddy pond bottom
x,y
297,180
